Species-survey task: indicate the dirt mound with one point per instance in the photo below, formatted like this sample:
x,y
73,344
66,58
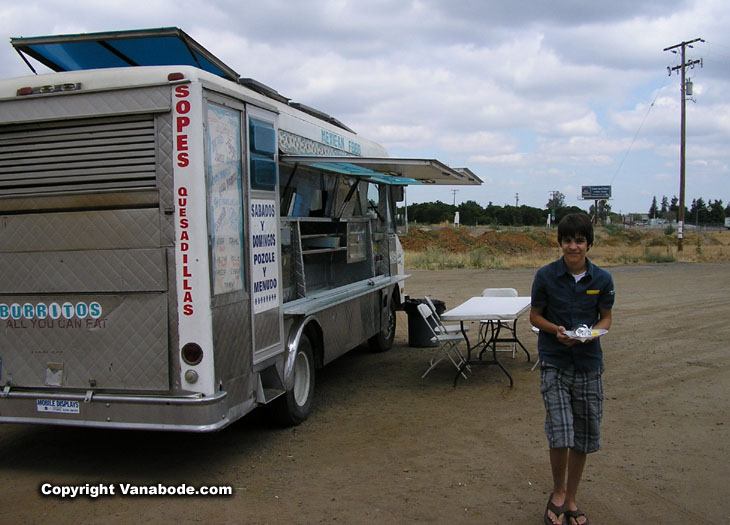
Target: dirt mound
x,y
461,240
449,239
484,246
623,236
510,243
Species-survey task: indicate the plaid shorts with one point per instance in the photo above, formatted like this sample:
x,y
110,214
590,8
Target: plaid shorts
x,y
573,407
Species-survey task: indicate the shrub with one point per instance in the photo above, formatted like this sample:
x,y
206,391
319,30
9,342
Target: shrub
x,y
659,241
482,258
652,257
435,258
614,229
539,239
478,257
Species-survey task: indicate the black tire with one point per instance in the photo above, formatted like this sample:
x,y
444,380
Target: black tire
x,y
383,340
295,405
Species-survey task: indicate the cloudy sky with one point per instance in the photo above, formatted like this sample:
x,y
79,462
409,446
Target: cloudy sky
x,y
534,96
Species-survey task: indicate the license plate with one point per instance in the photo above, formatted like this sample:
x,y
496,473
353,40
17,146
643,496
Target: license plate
x,y
59,406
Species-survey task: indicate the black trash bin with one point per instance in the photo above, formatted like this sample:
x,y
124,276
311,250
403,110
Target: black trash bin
x,y
419,334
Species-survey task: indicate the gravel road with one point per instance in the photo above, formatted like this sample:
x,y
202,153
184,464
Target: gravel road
x,y
385,446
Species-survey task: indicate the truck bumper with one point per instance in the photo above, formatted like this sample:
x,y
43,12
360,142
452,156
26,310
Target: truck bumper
x,y
145,412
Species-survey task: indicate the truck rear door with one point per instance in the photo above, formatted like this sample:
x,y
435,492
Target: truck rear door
x,y
83,263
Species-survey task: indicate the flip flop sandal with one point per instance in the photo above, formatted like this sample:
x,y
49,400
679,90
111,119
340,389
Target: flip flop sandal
x,y
574,515
557,511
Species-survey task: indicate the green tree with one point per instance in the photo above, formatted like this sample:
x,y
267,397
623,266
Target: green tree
x,y
698,212
491,212
717,213
674,210
562,212
471,213
654,209
532,216
664,211
556,202
509,216
674,206
604,210
431,212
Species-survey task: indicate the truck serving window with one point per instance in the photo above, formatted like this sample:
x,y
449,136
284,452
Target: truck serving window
x,y
262,145
225,212
352,198
306,193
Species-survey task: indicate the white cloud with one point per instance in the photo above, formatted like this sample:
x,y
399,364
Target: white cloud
x,y
505,159
587,125
480,141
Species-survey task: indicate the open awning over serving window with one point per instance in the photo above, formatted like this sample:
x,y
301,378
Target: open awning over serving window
x,y
389,170
143,47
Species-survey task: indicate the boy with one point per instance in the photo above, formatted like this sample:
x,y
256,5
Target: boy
x,y
567,294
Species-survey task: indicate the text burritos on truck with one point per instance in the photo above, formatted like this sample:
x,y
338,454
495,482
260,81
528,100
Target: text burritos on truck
x,y
179,245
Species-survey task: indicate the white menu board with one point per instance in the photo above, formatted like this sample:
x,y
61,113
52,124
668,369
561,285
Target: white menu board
x,y
224,187
265,280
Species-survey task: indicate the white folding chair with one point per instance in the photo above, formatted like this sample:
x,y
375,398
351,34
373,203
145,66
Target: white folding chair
x,y
442,328
447,344
536,331
508,324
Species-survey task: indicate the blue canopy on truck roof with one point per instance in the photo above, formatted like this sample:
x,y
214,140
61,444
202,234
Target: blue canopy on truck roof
x,y
167,46
141,47
389,170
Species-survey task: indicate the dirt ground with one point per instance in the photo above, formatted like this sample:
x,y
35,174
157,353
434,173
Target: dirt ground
x,y
385,446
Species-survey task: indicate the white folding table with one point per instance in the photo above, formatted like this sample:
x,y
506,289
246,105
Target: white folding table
x,y
492,310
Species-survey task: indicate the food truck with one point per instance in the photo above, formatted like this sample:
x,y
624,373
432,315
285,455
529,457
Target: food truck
x,y
180,245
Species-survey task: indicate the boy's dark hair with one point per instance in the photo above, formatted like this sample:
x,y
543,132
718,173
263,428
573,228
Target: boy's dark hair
x,y
576,225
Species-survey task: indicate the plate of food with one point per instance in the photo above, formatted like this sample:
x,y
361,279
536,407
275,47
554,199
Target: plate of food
x,y
584,333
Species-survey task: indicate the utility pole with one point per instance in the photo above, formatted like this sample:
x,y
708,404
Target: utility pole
x,y
517,200
683,124
454,193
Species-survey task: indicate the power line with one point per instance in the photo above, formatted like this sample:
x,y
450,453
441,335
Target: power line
x,y
636,135
715,50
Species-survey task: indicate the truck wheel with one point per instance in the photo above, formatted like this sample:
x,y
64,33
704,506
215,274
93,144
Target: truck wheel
x,y
383,340
295,405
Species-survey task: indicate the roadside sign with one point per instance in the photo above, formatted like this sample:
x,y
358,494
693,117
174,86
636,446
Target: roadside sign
x,y
596,192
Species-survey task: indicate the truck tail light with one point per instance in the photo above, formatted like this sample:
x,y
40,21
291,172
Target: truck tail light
x,y
192,354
